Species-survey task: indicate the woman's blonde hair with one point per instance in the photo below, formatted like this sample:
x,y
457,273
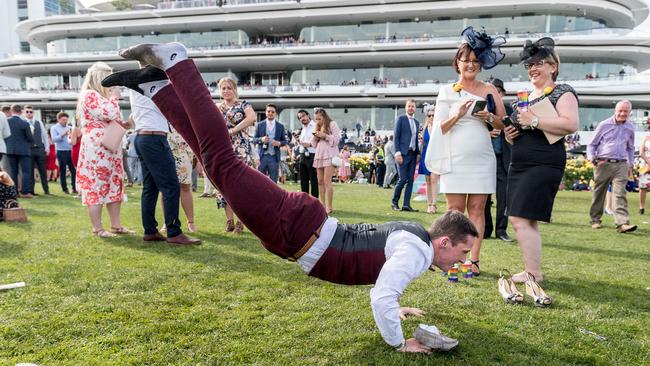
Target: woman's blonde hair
x,y
554,58
94,76
93,81
325,127
232,82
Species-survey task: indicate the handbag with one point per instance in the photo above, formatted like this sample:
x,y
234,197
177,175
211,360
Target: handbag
x,y
336,161
12,212
113,135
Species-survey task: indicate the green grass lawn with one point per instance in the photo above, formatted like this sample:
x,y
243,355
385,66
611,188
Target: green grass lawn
x,y
92,301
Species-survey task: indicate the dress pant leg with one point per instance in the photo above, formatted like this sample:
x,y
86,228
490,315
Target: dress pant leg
x,y
73,170
40,161
303,171
27,171
402,171
127,168
271,213
501,220
60,158
487,216
158,158
13,167
150,191
602,178
412,159
274,169
381,173
621,214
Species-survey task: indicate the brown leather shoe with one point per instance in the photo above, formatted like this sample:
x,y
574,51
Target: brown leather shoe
x,y
183,239
154,237
626,228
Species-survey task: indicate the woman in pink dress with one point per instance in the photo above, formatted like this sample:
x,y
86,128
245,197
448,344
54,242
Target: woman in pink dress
x,y
344,169
326,141
99,170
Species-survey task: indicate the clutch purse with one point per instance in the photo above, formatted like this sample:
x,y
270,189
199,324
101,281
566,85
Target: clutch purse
x,y
336,161
113,135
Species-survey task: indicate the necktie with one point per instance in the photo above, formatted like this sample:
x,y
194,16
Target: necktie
x,y
412,142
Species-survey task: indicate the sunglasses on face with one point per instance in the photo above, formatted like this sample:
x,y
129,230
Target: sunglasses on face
x,y
430,115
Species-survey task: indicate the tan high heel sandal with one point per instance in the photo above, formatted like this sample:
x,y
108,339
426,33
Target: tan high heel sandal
x,y
432,208
103,234
508,290
534,290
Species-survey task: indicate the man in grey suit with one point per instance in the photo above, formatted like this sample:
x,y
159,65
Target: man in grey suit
x,y
389,160
19,153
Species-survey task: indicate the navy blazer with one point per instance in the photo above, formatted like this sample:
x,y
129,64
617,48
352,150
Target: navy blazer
x,y
402,135
21,140
260,131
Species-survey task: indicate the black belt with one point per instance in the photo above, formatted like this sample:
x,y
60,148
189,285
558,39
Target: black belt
x,y
613,160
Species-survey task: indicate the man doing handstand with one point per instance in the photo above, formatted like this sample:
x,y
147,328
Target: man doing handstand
x,y
389,255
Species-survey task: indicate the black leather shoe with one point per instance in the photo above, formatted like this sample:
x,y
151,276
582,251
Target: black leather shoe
x,y
505,237
395,207
131,78
409,209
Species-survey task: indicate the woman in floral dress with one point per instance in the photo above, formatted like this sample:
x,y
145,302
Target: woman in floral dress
x,y
183,157
99,170
239,116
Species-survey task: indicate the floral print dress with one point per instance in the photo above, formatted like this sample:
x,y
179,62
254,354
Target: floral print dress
x,y
182,156
100,174
241,142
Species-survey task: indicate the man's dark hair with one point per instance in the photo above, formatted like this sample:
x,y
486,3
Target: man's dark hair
x,y
453,224
61,114
5,108
272,106
16,108
28,106
303,111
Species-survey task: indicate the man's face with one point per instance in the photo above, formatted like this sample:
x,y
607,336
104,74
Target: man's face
x,y
29,113
63,121
303,118
410,108
446,255
622,112
270,113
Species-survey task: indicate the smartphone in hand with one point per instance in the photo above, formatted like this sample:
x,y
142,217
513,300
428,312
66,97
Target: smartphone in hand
x,y
479,105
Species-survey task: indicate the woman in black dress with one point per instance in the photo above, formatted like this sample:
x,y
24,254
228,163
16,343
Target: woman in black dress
x,y
7,190
537,166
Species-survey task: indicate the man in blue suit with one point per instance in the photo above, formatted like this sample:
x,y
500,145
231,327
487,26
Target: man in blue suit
x,y
406,154
19,150
269,136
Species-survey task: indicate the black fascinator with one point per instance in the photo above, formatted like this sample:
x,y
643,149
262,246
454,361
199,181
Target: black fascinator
x,y
486,48
536,51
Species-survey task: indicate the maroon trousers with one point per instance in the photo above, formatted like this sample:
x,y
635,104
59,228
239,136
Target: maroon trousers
x,y
283,221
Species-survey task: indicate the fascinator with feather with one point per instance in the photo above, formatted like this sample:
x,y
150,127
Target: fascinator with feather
x,y
536,51
486,48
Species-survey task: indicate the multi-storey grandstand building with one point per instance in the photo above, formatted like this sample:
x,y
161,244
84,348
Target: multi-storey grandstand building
x,y
361,59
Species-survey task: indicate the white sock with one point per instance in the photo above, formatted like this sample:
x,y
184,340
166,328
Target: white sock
x,y
151,88
170,54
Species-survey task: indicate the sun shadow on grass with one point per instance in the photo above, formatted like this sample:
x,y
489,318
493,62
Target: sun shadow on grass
x,y
598,292
215,254
594,250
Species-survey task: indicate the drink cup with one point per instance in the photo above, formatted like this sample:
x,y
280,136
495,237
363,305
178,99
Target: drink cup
x,y
522,100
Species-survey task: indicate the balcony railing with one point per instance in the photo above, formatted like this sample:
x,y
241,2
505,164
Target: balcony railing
x,y
292,43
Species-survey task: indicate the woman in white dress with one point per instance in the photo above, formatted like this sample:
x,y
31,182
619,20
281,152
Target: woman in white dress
x,y
462,137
